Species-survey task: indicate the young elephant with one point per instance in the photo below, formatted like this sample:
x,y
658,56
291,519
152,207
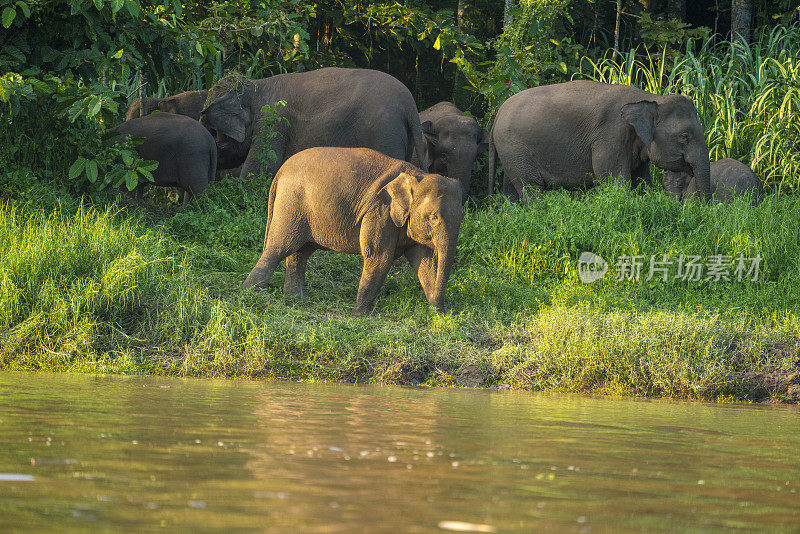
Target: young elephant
x,y
359,201
184,149
453,142
729,178
570,135
189,103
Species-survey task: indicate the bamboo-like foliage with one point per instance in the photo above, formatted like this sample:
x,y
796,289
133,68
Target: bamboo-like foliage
x,y
747,97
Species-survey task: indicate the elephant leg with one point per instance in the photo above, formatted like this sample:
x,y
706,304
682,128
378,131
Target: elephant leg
x,y
423,262
607,164
262,272
641,175
377,240
279,244
519,170
252,165
372,278
295,281
510,189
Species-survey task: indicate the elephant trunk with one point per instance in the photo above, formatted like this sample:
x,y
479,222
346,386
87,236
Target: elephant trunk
x,y
446,254
701,171
463,173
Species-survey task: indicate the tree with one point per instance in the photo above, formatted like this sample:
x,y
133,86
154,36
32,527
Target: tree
x,y
616,28
676,9
460,22
508,19
741,17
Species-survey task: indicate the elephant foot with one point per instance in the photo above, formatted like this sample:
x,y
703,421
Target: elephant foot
x,y
256,285
361,311
298,291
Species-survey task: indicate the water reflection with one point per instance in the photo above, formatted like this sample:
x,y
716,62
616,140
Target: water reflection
x,y
145,452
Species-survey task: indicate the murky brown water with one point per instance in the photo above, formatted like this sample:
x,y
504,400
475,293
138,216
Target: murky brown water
x,y
147,453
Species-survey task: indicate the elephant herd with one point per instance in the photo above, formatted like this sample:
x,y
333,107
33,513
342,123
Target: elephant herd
x,y
359,170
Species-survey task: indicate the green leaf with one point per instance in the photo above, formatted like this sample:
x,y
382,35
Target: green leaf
x,y
176,4
198,47
26,10
131,180
8,16
98,4
127,157
116,5
148,165
76,168
133,7
91,170
146,174
93,106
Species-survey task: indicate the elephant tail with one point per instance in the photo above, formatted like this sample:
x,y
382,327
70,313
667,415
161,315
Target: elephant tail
x,y
272,188
492,162
415,132
212,170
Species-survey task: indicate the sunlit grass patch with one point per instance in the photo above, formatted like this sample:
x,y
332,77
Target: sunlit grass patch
x,y
138,291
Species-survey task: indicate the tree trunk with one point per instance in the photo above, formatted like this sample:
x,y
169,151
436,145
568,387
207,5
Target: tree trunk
x,y
460,22
676,9
299,66
142,94
616,28
741,17
508,20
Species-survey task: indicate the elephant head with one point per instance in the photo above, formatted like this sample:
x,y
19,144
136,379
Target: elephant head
x,y
452,145
229,119
676,184
432,209
672,137
169,105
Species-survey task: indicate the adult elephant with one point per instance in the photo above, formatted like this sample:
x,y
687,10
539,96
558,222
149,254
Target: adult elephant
x,y
189,103
327,107
730,178
453,142
570,135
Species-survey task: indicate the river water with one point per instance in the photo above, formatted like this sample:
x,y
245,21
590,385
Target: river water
x,y
131,454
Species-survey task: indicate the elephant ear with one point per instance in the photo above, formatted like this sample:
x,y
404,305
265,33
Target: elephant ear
x,y
400,195
483,141
227,115
641,115
431,139
430,135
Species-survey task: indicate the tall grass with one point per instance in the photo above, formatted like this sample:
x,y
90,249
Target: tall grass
x,y
747,97
67,281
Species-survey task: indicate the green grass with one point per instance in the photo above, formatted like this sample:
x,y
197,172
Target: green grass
x,y
155,289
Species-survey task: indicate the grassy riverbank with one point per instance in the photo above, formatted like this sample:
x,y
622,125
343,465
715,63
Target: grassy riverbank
x,y
155,289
